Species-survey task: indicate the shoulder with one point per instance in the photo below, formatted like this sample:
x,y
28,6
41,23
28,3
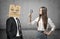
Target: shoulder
x,y
49,18
10,18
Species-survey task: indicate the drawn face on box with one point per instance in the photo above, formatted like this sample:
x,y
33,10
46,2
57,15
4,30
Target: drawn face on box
x,y
14,11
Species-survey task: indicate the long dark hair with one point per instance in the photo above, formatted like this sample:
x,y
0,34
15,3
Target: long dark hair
x,y
44,17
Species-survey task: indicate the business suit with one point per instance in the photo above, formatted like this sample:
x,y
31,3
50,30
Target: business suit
x,y
11,29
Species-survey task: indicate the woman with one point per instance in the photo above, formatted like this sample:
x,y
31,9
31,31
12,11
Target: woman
x,y
43,23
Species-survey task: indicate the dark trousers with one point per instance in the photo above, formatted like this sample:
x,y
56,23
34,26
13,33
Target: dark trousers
x,y
20,37
15,38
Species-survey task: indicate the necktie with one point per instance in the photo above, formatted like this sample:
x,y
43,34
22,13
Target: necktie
x,y
18,27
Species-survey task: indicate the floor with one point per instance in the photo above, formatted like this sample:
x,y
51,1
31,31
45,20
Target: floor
x,y
31,34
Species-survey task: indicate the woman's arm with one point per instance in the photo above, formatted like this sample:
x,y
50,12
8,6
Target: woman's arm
x,y
34,21
52,26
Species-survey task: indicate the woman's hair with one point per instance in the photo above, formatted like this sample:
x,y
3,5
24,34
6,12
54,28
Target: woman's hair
x,y
44,17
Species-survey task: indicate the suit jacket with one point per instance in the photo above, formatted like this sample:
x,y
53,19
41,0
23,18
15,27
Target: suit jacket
x,y
11,28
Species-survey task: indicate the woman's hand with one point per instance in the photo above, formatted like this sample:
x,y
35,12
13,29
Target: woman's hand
x,y
48,33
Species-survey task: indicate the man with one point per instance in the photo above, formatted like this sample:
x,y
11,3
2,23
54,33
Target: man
x,y
43,23
13,25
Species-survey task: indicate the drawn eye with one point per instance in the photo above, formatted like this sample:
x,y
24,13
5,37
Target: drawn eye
x,y
12,9
17,10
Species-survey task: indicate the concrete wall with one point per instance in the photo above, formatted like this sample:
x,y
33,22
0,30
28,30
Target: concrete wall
x,y
53,12
52,5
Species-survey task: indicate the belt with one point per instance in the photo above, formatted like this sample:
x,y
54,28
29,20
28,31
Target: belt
x,y
41,31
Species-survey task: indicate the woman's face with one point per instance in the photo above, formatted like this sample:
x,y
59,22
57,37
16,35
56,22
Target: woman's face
x,y
40,11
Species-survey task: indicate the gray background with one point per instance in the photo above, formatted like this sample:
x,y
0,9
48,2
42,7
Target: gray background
x,y
53,7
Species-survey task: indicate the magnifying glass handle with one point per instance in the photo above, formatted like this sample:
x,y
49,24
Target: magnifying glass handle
x,y
30,17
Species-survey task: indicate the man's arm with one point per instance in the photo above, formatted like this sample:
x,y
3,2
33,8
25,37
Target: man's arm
x,y
8,27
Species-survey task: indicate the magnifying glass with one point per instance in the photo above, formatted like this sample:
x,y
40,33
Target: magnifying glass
x,y
30,15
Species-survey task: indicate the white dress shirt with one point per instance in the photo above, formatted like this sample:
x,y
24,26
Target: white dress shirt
x,y
17,27
41,26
